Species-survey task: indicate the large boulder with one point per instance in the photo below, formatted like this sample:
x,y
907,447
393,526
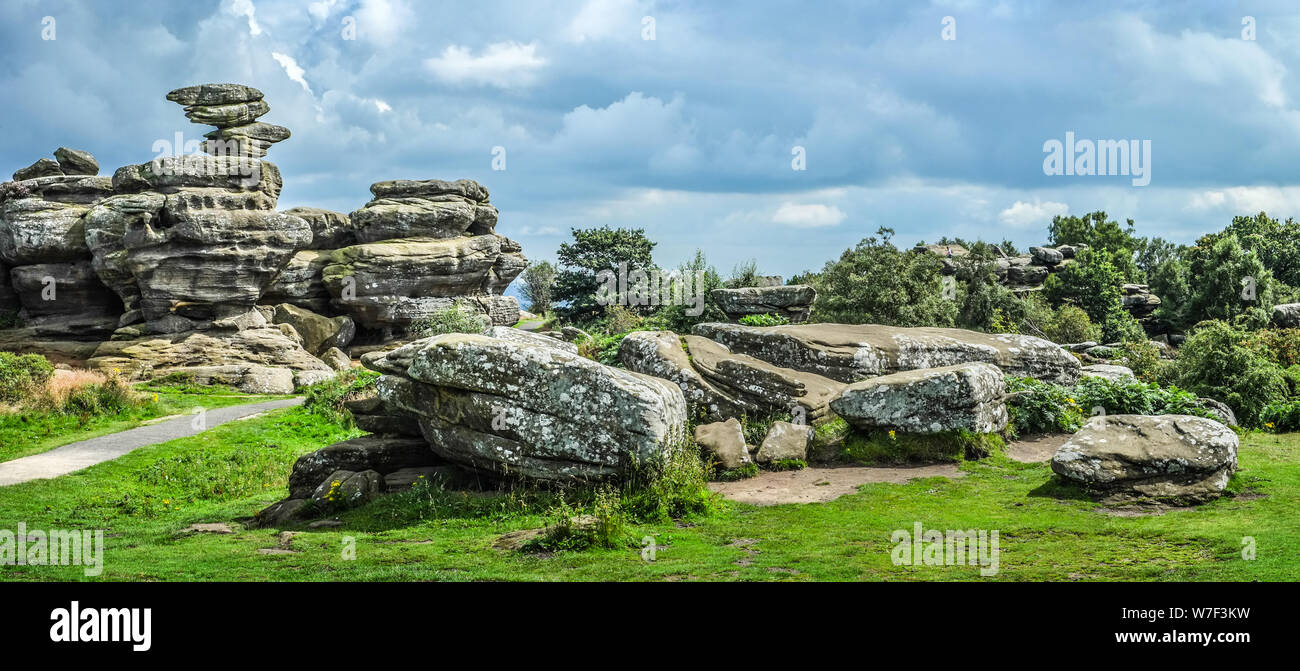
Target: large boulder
x,y
510,408
383,454
1168,458
792,301
40,218
318,333
256,347
299,282
785,441
963,397
848,352
719,383
425,209
1286,315
725,442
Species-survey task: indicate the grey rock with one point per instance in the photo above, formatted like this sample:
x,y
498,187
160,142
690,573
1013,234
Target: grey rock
x,y
318,333
76,162
1046,256
1170,458
1220,410
383,454
214,94
785,441
348,489
790,301
1109,372
1286,315
965,397
41,168
848,352
299,282
337,359
330,230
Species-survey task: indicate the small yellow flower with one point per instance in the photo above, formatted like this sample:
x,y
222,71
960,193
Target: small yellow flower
x,y
891,434
166,502
1269,425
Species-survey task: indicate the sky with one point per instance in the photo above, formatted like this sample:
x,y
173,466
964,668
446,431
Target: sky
x,y
783,132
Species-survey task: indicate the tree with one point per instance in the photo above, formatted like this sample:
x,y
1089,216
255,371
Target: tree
x,y
1093,284
1101,235
537,285
594,250
1221,361
1229,280
876,283
697,279
1276,243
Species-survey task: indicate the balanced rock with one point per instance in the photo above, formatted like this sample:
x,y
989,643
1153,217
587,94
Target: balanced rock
x,y
848,352
792,301
721,384
509,408
234,110
962,397
425,209
1169,458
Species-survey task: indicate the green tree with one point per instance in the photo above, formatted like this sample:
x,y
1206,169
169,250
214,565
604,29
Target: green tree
x,y
1276,243
537,285
594,250
697,279
1093,284
876,283
1094,229
1221,361
1230,281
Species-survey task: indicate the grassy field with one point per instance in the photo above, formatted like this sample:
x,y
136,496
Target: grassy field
x,y
144,500
23,434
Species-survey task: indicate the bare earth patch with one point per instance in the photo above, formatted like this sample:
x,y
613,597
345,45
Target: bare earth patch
x,y
1038,448
821,484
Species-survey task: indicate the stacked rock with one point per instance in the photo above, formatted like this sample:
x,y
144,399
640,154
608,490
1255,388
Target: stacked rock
x,y
234,110
45,263
424,246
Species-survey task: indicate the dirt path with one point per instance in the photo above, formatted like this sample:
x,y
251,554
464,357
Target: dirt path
x,y
821,484
76,456
1036,449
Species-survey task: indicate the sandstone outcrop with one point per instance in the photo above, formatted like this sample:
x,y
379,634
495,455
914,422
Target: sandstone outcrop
x,y
963,397
792,302
848,352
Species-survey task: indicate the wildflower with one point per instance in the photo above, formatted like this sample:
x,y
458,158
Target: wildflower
x,y
891,434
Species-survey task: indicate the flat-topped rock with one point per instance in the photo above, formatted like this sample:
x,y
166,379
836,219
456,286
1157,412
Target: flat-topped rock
x,y
214,94
792,301
76,162
1169,458
44,167
849,352
399,188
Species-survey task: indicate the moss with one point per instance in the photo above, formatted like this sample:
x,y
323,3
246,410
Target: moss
x,y
788,465
741,473
892,448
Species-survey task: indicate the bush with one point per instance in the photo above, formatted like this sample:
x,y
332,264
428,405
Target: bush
x,y
764,320
1136,398
1042,407
537,286
619,320
1281,416
326,399
22,375
604,527
671,486
454,319
695,280
1224,362
1070,324
876,283
1143,358
893,448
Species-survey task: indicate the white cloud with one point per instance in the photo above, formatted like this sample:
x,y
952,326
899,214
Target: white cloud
x,y
383,106
808,216
503,65
321,10
1245,200
246,8
292,69
1032,215
381,21
600,19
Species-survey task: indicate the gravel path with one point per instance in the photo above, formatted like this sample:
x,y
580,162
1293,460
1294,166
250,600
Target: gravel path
x,y
76,456
821,484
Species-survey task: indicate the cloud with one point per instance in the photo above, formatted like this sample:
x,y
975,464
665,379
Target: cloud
x,y
292,69
1032,215
321,10
502,64
382,21
383,106
808,216
603,19
245,8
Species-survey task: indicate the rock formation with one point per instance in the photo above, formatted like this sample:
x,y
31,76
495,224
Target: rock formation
x,y
793,301
1170,458
848,352
964,397
720,384
507,407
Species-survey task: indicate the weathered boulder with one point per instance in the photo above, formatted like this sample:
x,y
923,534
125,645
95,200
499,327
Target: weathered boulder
x,y
65,298
336,358
347,489
1109,372
392,283
43,167
41,219
318,333
790,301
383,454
725,441
234,110
847,352
719,383
785,441
966,397
509,408
76,162
425,209
152,355
1046,256
1287,315
330,230
529,338
1169,458
299,282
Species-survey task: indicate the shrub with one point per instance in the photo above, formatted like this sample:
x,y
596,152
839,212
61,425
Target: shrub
x,y
605,526
1143,358
742,472
537,286
1281,346
1224,362
619,319
1070,324
672,485
695,280
22,375
1136,398
890,447
326,399
876,283
1281,416
454,319
764,320
1042,407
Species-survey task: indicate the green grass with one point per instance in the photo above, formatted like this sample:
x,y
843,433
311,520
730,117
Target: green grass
x,y
1048,531
26,433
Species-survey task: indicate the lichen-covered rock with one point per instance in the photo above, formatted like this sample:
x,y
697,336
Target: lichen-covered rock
x,y
785,441
299,282
425,209
529,338
1109,372
1168,458
65,298
336,358
848,352
330,230
725,441
76,162
41,219
318,333
963,397
153,355
1286,315
790,301
43,167
510,408
719,383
